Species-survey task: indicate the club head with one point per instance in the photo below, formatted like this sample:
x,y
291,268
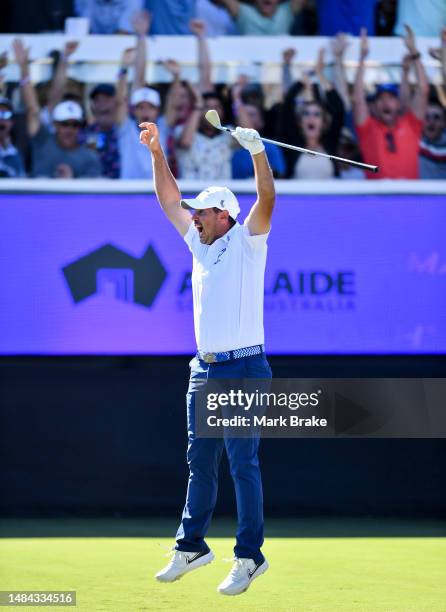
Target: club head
x,y
213,118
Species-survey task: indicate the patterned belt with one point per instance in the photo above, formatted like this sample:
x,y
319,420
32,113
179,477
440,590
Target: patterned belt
x,y
248,351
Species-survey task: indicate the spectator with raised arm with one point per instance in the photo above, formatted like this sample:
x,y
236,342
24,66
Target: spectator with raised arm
x,y
251,116
58,87
390,137
111,17
145,105
57,155
102,134
433,143
180,97
264,17
440,55
11,163
339,45
312,117
203,152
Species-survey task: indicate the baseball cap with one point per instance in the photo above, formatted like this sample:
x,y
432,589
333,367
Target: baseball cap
x,y
391,88
67,110
145,94
214,197
103,88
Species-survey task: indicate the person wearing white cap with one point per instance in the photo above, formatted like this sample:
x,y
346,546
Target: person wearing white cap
x,y
143,104
55,153
228,283
60,155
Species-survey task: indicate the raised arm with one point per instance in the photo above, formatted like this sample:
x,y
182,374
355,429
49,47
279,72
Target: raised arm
x,y
166,187
122,87
193,121
440,55
360,108
59,81
28,92
240,113
198,28
418,101
141,25
173,92
259,218
287,77
319,68
338,46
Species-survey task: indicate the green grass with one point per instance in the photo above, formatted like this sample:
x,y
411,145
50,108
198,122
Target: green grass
x,y
385,566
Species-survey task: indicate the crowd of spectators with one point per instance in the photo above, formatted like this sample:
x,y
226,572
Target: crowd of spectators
x,y
66,131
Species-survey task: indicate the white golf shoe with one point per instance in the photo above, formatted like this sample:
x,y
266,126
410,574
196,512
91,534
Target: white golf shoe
x,y
243,572
183,562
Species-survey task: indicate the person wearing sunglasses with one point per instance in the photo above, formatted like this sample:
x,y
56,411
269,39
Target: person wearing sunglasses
x,y
11,164
433,143
389,129
60,155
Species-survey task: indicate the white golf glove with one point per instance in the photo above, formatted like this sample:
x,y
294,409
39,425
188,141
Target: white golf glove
x,y
249,139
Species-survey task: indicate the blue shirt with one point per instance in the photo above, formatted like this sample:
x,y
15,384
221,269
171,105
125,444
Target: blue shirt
x,y
242,166
347,16
171,16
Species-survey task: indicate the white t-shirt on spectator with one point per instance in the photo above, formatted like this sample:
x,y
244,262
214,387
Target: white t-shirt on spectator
x,y
309,167
207,159
217,19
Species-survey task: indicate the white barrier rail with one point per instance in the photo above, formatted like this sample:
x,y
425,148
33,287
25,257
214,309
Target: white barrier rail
x,y
97,57
304,187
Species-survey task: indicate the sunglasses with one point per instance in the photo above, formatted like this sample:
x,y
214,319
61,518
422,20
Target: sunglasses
x,y
307,113
434,116
70,124
390,141
5,115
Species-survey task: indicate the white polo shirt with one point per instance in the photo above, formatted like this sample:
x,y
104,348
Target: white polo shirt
x,y
227,286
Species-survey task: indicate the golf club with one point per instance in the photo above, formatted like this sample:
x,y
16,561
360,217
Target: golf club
x,y
214,119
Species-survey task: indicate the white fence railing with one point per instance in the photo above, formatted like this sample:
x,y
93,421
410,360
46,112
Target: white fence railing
x,y
303,187
97,57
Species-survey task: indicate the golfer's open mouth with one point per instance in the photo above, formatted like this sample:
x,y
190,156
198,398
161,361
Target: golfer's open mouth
x,y
198,226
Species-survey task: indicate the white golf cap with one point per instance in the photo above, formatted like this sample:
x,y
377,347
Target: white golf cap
x,y
145,94
64,111
214,197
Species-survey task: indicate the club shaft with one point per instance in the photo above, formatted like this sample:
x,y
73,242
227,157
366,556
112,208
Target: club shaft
x,y
350,162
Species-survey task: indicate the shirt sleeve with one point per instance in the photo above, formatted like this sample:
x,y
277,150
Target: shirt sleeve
x,y
257,242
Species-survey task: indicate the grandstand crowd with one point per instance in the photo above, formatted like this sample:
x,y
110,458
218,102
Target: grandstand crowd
x,y
63,129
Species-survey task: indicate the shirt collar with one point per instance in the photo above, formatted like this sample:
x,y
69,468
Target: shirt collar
x,y
227,237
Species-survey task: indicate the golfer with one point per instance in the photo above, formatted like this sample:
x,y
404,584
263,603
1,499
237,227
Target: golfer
x,y
227,282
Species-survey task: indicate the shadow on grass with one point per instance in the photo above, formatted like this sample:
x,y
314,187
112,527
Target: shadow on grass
x,y
221,527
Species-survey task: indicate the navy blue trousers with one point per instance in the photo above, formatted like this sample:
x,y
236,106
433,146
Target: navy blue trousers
x,y
203,457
